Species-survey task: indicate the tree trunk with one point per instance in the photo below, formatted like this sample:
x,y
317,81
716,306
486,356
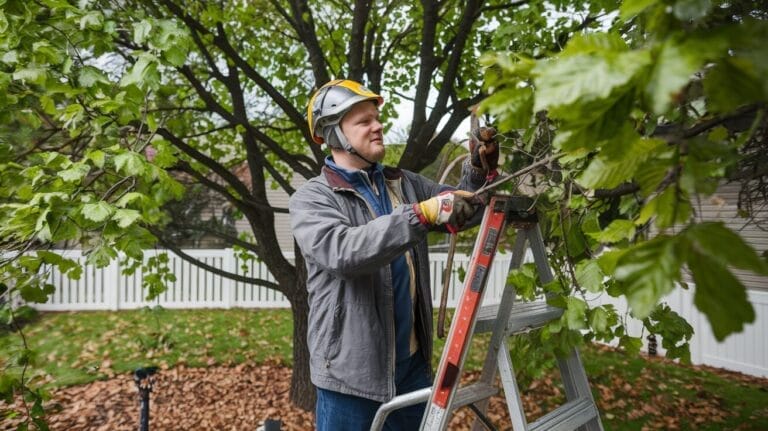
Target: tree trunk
x,y
302,391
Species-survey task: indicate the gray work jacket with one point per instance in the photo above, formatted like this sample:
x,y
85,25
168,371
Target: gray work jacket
x,y
347,249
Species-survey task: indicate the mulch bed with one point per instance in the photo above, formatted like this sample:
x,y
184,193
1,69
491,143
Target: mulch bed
x,y
244,396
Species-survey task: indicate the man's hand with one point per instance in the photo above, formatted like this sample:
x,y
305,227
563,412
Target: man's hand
x,y
485,151
451,209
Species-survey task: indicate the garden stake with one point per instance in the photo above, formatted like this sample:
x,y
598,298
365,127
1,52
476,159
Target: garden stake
x,y
144,381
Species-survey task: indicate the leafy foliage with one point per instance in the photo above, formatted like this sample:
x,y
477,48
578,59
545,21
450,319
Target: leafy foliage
x,y
110,109
640,113
107,106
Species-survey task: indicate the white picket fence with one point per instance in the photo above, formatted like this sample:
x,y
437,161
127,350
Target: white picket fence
x,y
107,289
746,352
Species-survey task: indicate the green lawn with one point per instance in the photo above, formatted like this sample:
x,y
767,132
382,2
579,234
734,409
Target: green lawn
x,y
75,348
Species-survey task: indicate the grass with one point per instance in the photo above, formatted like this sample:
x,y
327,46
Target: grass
x,y
78,347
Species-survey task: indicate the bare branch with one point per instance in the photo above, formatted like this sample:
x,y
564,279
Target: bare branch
x,y
199,263
208,162
355,50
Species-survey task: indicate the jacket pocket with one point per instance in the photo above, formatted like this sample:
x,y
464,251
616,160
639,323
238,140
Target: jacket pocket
x,y
334,337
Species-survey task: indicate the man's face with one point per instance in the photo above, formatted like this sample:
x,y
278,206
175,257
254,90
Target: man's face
x,y
363,130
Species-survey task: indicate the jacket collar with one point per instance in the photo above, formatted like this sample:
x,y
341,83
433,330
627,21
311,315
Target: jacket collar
x,y
337,181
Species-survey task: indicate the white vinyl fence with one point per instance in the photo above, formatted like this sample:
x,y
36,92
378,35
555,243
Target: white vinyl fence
x,y
108,289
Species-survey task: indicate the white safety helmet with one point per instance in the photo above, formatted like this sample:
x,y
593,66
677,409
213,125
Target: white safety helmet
x,y
329,104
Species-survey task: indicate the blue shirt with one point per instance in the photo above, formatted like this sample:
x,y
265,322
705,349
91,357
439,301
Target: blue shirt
x,y
363,182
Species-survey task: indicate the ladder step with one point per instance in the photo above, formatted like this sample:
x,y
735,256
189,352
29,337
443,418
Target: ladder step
x,y
569,416
473,393
525,316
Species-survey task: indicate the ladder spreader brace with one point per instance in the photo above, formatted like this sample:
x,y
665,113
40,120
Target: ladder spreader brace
x,y
503,320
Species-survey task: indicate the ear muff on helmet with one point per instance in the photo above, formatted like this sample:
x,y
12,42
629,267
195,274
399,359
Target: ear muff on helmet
x,y
329,104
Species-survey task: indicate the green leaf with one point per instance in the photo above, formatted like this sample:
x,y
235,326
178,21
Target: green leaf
x,y
90,76
720,296
725,246
674,330
673,69
599,319
589,275
130,163
589,43
631,345
648,272
143,73
176,55
101,255
97,157
3,23
524,280
676,63
670,207
75,174
128,198
575,315
10,57
732,83
564,85
691,10
513,107
610,259
165,155
66,266
36,293
93,20
630,8
34,75
126,217
617,230
673,207
605,173
650,174
141,30
97,212
48,105
65,231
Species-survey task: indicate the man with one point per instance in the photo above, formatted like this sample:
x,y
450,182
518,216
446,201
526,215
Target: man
x,y
362,229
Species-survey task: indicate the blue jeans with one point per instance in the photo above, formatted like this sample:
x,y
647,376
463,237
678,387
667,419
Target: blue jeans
x,y
341,412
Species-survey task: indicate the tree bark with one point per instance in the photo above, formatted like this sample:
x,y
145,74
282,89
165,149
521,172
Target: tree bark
x,y
302,391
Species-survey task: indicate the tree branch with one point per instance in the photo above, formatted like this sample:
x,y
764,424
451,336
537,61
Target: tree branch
x,y
232,240
237,277
355,50
306,29
206,161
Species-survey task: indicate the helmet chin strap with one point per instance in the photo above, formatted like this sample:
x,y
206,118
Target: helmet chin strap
x,y
338,140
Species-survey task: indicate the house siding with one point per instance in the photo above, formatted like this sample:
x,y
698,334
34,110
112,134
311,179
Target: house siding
x,y
723,206
278,198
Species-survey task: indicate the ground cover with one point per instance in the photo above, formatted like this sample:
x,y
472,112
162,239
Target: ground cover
x,y
230,369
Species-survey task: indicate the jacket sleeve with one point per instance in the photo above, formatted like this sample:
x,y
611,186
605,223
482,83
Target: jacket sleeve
x,y
327,237
471,180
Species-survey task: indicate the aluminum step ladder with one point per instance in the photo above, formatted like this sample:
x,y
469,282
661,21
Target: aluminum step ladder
x,y
503,320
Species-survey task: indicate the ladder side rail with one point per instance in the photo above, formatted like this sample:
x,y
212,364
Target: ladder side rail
x,y
575,380
511,390
499,333
572,372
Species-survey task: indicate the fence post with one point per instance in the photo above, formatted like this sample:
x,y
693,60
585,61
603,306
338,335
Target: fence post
x,y
113,286
228,285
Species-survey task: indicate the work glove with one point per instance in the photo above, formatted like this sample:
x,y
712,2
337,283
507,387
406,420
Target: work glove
x,y
485,152
451,209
